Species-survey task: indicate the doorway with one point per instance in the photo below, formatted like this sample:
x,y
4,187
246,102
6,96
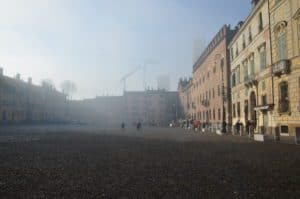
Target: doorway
x,y
252,108
246,111
265,122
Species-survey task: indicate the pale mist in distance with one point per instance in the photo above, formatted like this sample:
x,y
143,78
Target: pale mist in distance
x,y
95,43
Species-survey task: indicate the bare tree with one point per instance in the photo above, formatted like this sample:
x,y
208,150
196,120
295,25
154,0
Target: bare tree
x,y
48,83
68,87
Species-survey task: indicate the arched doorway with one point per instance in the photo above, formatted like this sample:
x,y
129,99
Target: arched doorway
x,y
252,106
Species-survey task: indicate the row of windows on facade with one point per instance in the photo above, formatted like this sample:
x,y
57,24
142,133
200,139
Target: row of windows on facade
x,y
236,74
236,107
208,95
21,115
208,115
26,105
283,100
260,28
202,80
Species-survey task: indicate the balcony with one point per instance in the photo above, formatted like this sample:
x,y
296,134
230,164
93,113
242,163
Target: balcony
x,y
264,107
281,67
250,81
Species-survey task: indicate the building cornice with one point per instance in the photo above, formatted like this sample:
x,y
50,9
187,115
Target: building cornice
x,y
218,38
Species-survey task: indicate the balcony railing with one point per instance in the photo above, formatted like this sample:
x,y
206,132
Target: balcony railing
x,y
249,80
281,67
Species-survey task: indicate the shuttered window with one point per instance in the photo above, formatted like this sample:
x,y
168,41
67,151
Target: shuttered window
x,y
281,47
263,60
252,67
245,70
284,97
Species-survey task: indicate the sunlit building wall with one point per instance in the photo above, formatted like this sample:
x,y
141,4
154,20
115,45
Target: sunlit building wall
x,y
285,37
251,77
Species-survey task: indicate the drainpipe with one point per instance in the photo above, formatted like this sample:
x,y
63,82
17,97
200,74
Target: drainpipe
x,y
257,112
271,53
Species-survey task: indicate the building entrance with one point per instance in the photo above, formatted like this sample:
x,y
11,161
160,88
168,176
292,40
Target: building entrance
x,y
252,107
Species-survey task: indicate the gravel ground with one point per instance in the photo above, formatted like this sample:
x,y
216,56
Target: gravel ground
x,y
82,162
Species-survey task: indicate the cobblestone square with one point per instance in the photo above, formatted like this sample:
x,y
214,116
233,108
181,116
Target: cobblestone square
x,y
80,162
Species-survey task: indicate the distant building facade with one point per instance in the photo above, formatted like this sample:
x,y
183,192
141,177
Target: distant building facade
x,y
211,82
285,38
106,111
23,102
185,99
151,107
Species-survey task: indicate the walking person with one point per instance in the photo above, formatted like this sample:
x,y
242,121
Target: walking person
x,y
123,126
248,127
251,129
138,126
237,128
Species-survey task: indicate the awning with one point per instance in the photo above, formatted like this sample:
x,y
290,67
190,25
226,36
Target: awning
x,y
264,107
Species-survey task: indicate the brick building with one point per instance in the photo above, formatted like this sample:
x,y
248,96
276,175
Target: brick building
x,y
210,84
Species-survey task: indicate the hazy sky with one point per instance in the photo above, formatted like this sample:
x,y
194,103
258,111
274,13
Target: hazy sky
x,y
95,42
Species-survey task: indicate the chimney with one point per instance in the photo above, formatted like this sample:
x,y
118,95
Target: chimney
x,y
18,76
254,3
1,71
239,25
30,80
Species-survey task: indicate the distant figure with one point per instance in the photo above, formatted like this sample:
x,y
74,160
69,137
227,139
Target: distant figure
x,y
123,125
238,126
248,127
224,126
138,126
251,128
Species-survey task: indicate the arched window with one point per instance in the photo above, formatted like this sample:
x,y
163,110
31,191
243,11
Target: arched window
x,y
283,103
280,34
297,20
